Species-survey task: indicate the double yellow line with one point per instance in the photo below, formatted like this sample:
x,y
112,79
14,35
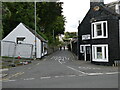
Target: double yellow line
x,y
17,74
14,75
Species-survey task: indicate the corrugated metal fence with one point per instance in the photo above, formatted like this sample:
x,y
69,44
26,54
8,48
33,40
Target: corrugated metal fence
x,y
11,49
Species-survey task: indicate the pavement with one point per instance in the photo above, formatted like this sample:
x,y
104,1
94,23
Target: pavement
x,y
61,70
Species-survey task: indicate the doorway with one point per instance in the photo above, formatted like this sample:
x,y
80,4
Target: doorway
x,y
86,52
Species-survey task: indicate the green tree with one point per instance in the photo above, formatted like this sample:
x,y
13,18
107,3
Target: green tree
x,y
49,17
58,25
70,35
16,12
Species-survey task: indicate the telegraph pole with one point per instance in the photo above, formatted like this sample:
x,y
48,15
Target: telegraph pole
x,y
35,34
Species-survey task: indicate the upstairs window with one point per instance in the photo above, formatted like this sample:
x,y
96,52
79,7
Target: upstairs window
x,y
99,30
20,40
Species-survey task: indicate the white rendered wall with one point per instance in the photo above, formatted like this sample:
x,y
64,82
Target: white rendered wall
x,y
22,31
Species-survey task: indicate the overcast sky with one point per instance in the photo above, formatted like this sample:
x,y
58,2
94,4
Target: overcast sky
x,y
75,10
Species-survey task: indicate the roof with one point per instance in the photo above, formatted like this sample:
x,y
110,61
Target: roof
x,y
112,3
111,7
37,35
110,10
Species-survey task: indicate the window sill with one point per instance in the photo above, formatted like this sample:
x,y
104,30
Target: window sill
x,y
100,60
99,37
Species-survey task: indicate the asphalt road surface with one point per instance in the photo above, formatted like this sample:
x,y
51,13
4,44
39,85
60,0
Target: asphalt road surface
x,y
61,70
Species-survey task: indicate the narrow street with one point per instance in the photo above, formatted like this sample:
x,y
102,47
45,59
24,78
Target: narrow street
x,y
61,70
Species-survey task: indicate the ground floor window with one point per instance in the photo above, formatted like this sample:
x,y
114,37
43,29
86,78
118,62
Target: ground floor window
x,y
82,48
100,53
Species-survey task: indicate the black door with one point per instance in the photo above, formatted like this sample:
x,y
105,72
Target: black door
x,y
88,51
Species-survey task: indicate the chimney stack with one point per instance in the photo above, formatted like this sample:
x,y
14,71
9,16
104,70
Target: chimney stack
x,y
96,2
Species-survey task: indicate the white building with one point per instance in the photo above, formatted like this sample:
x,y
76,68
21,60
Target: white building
x,y
60,37
24,38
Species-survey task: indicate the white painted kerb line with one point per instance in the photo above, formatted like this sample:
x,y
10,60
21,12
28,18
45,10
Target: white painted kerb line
x,y
45,77
11,80
76,70
111,73
29,79
89,68
103,73
59,76
95,73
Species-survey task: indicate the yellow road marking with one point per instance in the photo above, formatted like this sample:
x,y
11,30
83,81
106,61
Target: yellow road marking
x,y
15,75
